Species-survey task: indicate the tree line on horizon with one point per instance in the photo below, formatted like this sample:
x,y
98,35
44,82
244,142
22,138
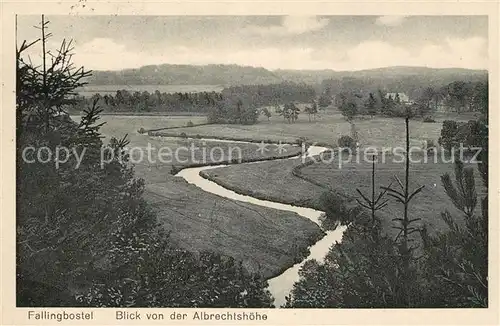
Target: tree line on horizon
x,y
458,96
255,95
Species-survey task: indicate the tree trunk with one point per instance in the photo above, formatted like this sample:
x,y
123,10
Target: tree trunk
x,y
45,90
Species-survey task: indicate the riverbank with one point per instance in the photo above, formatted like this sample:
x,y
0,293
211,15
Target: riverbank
x,y
266,240
282,284
279,173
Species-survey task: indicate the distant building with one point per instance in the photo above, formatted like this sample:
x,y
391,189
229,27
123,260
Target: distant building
x,y
402,97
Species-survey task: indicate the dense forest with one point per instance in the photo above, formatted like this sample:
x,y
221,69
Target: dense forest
x,y
125,101
186,75
255,95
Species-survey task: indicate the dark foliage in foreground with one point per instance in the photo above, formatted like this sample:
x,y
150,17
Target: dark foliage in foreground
x,y
85,235
148,272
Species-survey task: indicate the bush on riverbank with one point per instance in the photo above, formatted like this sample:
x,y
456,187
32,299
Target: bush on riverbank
x,y
346,142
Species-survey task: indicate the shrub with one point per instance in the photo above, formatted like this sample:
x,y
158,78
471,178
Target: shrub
x,y
141,130
190,124
345,142
300,140
153,273
457,261
362,271
429,119
183,135
336,210
455,133
174,170
448,134
349,110
430,145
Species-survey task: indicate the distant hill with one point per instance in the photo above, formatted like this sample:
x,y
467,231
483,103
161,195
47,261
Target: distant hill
x,y
438,75
410,80
305,76
232,75
167,74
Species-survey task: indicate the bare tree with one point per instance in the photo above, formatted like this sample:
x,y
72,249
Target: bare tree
x,y
375,203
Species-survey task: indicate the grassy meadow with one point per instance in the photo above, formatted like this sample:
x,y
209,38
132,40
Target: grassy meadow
x,y
117,125
262,237
326,128
265,239
267,180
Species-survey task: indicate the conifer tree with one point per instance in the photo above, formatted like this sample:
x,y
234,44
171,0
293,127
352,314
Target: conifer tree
x,y
405,224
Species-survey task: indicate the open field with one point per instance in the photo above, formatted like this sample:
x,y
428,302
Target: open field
x,y
265,239
268,179
189,212
327,128
428,204
119,125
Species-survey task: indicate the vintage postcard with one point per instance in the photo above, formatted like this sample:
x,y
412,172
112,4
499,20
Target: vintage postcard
x,y
249,163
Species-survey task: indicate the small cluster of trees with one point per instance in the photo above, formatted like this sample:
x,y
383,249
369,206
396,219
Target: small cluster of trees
x,y
233,113
272,94
457,96
311,111
290,112
463,96
353,104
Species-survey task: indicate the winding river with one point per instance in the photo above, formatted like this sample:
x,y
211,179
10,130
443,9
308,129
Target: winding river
x,y
281,285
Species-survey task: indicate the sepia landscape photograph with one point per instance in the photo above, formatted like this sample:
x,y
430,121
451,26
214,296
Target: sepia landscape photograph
x,y
252,161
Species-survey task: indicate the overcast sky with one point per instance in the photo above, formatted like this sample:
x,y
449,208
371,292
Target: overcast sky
x,y
273,42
